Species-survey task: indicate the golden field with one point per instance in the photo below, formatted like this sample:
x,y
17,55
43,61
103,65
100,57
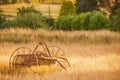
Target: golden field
x,y
11,9
93,55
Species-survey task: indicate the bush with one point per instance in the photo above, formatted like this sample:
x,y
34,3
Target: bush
x,y
32,21
2,20
98,21
67,8
115,21
84,21
27,18
26,10
115,17
65,23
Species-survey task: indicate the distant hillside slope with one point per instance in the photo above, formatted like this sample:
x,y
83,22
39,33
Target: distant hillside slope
x,y
29,1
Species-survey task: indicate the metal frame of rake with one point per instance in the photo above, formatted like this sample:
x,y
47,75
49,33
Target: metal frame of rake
x,y
24,58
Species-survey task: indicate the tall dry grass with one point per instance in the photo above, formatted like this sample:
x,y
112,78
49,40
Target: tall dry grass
x,y
88,62
93,55
16,35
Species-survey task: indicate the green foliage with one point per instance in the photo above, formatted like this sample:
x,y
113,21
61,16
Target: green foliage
x,y
26,10
65,23
115,17
1,11
115,21
85,21
2,20
98,21
67,8
85,5
32,21
27,18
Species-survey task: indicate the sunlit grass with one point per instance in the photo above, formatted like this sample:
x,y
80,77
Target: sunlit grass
x,y
11,9
27,36
93,55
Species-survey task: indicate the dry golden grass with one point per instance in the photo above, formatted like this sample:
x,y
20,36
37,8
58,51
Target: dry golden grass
x,y
94,58
88,62
11,9
29,36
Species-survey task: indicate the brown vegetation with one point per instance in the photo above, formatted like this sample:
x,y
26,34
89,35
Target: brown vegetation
x,y
93,58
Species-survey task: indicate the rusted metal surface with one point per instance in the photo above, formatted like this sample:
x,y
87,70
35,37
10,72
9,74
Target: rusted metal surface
x,y
48,55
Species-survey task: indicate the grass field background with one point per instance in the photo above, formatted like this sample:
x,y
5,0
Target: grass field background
x,y
11,9
93,55
93,58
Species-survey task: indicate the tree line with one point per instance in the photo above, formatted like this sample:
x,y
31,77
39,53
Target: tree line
x,y
81,15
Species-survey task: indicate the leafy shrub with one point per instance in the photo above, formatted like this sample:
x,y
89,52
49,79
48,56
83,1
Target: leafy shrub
x,y
115,17
32,21
115,21
26,10
65,23
67,8
2,20
98,21
85,21
27,18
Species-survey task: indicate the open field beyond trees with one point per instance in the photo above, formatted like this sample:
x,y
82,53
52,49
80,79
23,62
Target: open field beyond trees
x,y
93,55
11,9
90,40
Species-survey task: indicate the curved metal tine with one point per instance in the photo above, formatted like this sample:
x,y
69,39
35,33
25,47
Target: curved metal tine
x,y
65,60
18,51
57,52
59,49
52,50
61,65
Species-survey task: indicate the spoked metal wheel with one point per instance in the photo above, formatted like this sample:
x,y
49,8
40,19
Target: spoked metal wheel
x,y
61,63
22,60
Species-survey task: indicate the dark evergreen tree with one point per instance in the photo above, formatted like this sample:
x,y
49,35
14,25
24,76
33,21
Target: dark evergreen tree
x,y
85,5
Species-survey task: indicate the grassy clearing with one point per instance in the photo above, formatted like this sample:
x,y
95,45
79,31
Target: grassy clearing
x,y
93,55
29,36
11,9
88,62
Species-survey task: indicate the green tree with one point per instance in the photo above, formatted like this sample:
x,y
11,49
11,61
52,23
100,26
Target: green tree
x,y
67,8
2,18
115,17
90,5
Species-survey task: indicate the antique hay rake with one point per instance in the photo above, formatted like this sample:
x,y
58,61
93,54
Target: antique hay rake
x,y
24,58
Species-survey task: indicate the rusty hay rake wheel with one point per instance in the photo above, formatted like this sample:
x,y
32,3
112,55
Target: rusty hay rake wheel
x,y
60,60
20,60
